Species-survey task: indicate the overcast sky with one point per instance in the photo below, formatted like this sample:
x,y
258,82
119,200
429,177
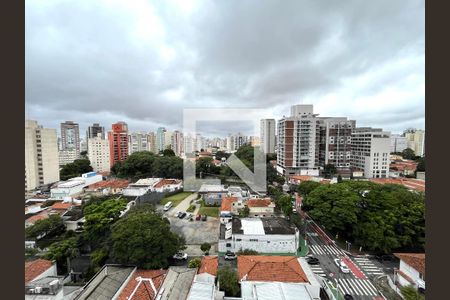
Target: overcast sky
x,y
142,62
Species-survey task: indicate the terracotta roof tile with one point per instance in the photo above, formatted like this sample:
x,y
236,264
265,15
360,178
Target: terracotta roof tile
x,y
415,260
61,205
33,219
114,183
413,184
35,268
259,202
164,182
270,268
209,265
144,291
227,202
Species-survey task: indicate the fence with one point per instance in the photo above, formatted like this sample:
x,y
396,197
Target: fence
x,y
154,197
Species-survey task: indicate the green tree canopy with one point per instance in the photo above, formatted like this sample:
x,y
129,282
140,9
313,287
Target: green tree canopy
x,y
421,165
194,263
228,281
220,154
329,170
307,187
75,169
144,238
409,292
205,247
53,225
408,153
284,203
168,152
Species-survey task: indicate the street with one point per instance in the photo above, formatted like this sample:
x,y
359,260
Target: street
x,y
358,282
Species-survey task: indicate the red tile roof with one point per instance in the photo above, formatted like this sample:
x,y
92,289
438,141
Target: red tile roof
x,y
33,219
209,265
270,268
35,268
259,202
164,182
227,202
114,184
145,290
415,260
61,205
301,177
413,184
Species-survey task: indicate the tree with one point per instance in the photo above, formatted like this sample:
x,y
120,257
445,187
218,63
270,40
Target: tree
x,y
83,154
194,263
228,281
339,178
408,153
220,154
243,213
75,169
137,165
329,170
51,226
421,165
409,292
307,187
206,165
63,250
143,238
284,203
168,152
205,247
168,167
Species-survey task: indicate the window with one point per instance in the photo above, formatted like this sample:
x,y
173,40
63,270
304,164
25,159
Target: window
x,y
228,245
253,240
238,240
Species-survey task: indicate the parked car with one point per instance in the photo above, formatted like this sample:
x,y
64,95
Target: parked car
x,y
204,217
230,256
182,215
198,217
168,206
188,216
180,256
312,261
341,265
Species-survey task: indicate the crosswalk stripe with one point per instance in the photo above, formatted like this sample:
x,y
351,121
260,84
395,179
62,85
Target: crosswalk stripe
x,y
370,287
376,273
363,288
341,286
355,287
369,267
348,286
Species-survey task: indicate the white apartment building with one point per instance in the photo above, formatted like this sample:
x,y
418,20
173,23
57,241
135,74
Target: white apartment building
x,y
398,143
236,141
138,141
416,141
177,143
68,156
189,144
370,152
99,154
41,155
298,137
267,135
168,140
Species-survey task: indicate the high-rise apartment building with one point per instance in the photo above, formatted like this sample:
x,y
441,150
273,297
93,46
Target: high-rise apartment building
x,y
298,138
416,140
398,143
118,142
70,136
255,141
189,144
370,152
177,143
138,141
152,147
236,141
41,155
335,138
67,156
168,139
267,135
161,139
99,153
94,130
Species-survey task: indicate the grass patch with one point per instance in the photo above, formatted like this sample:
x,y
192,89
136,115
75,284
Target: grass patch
x,y
176,199
209,211
191,208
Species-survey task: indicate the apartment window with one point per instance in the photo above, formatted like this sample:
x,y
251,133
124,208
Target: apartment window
x,y
228,245
253,240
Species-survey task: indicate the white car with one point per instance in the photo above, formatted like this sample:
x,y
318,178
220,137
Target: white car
x,y
341,265
180,256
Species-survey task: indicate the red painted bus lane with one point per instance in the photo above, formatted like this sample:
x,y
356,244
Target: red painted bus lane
x,y
356,271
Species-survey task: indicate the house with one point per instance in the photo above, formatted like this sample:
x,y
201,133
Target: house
x,y
261,207
142,285
140,187
265,235
411,184
107,187
276,277
30,221
177,283
226,209
237,191
212,194
73,218
203,287
39,268
411,270
168,185
403,167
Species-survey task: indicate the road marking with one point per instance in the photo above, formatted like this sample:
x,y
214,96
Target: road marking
x,y
371,287
363,287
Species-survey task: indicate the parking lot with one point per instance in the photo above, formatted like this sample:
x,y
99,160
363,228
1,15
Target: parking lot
x,y
195,232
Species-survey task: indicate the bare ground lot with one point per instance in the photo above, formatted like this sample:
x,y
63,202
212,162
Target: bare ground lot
x,y
196,232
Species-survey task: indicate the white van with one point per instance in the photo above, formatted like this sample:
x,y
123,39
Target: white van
x,y
168,206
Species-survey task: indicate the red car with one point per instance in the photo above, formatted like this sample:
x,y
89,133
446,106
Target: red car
x,y
198,217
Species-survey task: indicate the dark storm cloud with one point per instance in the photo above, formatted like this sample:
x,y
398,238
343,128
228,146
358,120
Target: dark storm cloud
x,y
104,61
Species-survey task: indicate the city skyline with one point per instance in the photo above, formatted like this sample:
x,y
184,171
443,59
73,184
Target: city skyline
x,y
139,64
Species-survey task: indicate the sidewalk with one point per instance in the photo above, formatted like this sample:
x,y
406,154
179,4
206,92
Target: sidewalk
x,y
304,248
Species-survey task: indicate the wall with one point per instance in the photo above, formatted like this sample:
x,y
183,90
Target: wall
x,y
272,243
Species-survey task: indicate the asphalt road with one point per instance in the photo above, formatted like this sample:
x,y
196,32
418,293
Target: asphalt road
x,y
357,283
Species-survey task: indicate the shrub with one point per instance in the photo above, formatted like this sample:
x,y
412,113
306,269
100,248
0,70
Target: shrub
x,y
247,252
191,208
194,263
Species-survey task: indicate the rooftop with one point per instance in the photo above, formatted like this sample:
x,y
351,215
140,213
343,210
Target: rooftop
x,y
409,183
143,290
275,290
164,182
105,284
227,202
177,283
415,260
35,268
61,205
205,188
113,183
261,226
209,265
270,268
259,202
146,182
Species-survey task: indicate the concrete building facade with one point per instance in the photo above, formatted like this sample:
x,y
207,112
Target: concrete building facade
x,y
70,136
177,143
416,141
370,152
118,142
398,143
267,138
41,155
138,141
99,154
